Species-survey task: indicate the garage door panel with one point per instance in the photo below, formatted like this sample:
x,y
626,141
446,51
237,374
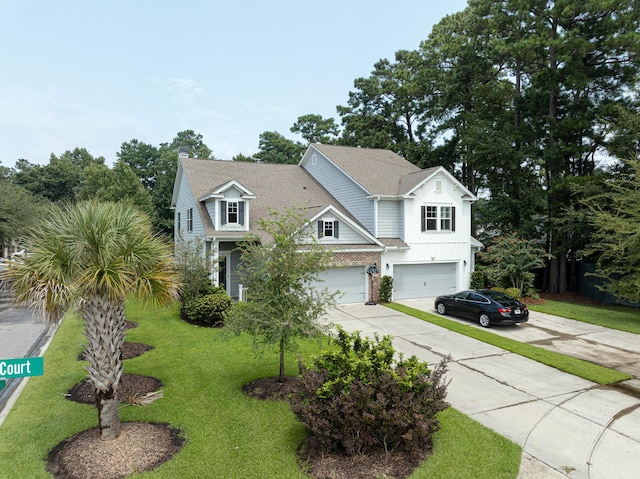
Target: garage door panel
x,y
424,280
350,281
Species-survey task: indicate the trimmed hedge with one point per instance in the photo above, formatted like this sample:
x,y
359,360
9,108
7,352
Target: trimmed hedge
x,y
209,308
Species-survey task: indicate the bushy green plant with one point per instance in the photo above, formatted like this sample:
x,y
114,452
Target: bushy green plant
x,y
192,265
209,308
513,292
478,278
386,288
357,399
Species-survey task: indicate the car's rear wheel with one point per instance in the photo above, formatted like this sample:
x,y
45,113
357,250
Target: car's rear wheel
x,y
485,320
442,309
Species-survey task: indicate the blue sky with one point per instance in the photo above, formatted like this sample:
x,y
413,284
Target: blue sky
x,y
95,74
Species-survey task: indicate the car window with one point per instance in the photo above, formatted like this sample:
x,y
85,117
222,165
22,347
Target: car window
x,y
476,297
497,295
502,298
463,295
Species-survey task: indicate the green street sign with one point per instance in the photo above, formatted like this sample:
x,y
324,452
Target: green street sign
x,y
21,367
3,383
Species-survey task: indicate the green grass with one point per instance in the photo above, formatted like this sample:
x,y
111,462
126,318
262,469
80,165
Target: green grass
x,y
622,318
577,367
228,434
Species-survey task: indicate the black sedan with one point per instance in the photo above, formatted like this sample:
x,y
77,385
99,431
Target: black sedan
x,y
483,305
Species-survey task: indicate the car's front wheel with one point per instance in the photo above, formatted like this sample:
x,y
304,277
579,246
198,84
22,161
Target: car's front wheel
x,y
485,320
442,309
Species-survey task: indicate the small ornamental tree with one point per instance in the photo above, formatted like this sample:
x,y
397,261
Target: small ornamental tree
x,y
281,306
511,260
364,397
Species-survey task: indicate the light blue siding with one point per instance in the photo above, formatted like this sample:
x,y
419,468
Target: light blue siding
x,y
344,189
390,219
184,202
211,208
346,234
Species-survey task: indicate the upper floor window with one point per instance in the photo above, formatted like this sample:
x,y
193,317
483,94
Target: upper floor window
x,y
190,219
232,212
438,218
327,229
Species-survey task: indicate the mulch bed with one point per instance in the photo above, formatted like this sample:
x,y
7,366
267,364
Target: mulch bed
x,y
396,464
129,350
569,297
140,447
131,385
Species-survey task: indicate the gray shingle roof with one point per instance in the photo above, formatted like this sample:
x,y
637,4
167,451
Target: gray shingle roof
x,y
380,172
277,187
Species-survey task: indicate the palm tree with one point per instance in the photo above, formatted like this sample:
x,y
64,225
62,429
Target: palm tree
x,y
93,256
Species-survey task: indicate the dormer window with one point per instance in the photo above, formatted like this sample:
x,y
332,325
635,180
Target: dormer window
x,y
328,229
232,213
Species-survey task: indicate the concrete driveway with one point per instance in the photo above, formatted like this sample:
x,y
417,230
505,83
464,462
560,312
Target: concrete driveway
x,y
567,426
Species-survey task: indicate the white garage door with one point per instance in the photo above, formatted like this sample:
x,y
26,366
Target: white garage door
x,y
423,280
350,280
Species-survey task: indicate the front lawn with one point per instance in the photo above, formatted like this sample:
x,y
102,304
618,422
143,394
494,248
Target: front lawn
x,y
228,434
623,318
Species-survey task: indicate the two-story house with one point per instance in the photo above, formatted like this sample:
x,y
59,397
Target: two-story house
x,y
369,206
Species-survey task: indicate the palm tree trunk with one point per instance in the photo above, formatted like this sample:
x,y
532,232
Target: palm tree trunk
x,y
104,327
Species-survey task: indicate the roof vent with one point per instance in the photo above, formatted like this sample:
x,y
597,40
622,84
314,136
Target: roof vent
x,y
183,152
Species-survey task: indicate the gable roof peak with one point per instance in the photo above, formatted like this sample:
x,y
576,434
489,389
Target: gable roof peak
x,y
377,171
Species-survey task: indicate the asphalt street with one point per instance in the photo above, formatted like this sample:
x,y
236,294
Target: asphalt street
x,y
22,335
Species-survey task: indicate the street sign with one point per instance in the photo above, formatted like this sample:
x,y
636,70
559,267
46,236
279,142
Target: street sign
x,y
3,383
21,367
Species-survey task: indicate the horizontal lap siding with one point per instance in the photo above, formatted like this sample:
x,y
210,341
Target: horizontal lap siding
x,y
184,201
390,219
343,188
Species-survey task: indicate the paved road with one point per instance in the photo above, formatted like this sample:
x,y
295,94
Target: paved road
x,y
567,426
21,336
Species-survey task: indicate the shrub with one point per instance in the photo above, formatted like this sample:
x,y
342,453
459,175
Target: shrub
x,y
386,288
478,279
357,400
513,292
209,308
194,273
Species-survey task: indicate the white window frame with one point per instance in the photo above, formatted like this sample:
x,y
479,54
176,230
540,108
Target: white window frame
x,y
445,214
431,218
438,218
327,229
233,208
190,220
